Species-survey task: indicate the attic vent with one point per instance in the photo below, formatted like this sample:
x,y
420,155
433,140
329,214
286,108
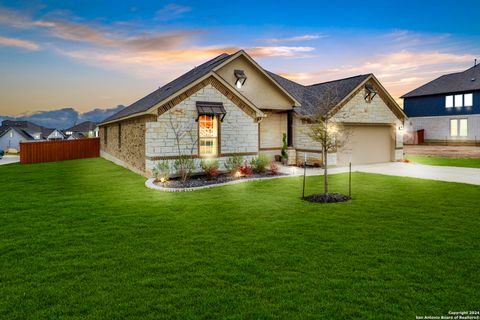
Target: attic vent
x,y
370,92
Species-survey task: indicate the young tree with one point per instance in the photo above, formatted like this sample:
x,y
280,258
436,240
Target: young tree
x,y
186,141
327,129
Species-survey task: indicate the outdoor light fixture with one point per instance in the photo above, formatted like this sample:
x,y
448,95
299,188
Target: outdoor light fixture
x,y
400,128
241,78
370,92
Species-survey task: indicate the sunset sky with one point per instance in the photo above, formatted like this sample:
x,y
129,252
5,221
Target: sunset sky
x,y
94,54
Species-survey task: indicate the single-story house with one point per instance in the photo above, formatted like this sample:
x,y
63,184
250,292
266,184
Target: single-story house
x,y
231,106
86,129
447,109
13,132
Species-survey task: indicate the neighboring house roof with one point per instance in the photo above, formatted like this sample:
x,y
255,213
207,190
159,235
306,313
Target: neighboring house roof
x,y
169,89
83,127
76,135
449,83
23,133
306,96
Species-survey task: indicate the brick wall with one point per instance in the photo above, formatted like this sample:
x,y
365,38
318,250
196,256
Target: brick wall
x,y
131,150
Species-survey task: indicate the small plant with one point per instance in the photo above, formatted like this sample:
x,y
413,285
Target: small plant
x,y
161,171
273,168
233,164
259,164
184,166
246,170
284,149
210,167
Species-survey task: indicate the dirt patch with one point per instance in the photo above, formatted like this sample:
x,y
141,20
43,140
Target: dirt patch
x,y
443,151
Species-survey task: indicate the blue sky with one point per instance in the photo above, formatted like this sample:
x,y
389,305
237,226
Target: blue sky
x,y
94,54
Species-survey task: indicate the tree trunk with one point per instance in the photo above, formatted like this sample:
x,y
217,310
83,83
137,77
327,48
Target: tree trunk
x,y
325,171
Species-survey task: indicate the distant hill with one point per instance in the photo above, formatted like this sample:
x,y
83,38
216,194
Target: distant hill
x,y
64,118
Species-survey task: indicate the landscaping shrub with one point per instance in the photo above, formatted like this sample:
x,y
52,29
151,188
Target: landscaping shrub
x,y
260,164
233,164
184,166
210,168
246,170
161,171
273,168
284,148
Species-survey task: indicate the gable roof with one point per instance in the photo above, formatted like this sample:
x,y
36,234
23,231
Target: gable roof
x,y
311,94
169,89
83,127
449,83
4,130
305,97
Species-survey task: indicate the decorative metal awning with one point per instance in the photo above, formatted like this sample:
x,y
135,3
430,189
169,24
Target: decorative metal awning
x,y
211,108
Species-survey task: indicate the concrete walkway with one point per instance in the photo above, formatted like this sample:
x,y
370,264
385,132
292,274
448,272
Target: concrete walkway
x,y
9,159
441,173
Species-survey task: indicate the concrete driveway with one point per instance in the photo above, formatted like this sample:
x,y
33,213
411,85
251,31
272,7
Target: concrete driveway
x,y
441,173
9,159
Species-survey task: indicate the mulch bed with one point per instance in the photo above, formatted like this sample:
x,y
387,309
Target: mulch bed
x,y
202,180
328,198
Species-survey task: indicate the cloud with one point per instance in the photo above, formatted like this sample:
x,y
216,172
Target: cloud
x,y
399,72
12,42
306,37
65,117
171,11
278,51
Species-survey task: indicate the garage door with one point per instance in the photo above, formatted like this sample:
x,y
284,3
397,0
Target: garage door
x,y
367,144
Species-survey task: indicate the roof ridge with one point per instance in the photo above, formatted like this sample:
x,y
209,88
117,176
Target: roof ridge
x,y
342,79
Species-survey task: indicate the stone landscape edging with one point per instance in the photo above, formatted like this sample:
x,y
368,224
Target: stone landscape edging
x,y
150,183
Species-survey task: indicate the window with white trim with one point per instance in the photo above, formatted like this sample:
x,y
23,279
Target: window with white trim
x,y
458,100
458,127
468,100
208,135
448,101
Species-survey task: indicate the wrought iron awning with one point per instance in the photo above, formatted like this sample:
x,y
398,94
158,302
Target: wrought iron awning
x,y
211,108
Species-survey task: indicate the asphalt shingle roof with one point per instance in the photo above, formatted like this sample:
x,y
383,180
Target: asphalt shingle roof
x,y
83,127
308,96
170,88
449,83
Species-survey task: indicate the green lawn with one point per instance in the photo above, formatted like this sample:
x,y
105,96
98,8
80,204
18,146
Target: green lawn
x,y
86,239
442,161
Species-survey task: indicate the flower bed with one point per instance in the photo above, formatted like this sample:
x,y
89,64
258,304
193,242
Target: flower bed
x,y
203,180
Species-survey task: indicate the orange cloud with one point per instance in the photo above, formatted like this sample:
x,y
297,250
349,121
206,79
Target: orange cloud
x,y
29,45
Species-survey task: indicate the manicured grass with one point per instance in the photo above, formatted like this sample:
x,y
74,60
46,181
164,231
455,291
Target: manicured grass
x,y
86,239
442,161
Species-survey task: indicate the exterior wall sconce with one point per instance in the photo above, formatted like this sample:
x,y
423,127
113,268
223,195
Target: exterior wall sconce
x,y
400,128
370,92
240,78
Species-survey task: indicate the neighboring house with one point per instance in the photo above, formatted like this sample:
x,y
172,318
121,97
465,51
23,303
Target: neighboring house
x,y
235,107
13,132
447,108
86,129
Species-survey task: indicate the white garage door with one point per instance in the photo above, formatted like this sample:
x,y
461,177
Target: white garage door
x,y
367,144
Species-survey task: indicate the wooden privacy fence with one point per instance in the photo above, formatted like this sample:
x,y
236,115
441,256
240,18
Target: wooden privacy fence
x,y
46,151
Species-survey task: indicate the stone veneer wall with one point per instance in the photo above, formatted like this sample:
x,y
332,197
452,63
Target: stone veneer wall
x,y
356,110
238,131
131,151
